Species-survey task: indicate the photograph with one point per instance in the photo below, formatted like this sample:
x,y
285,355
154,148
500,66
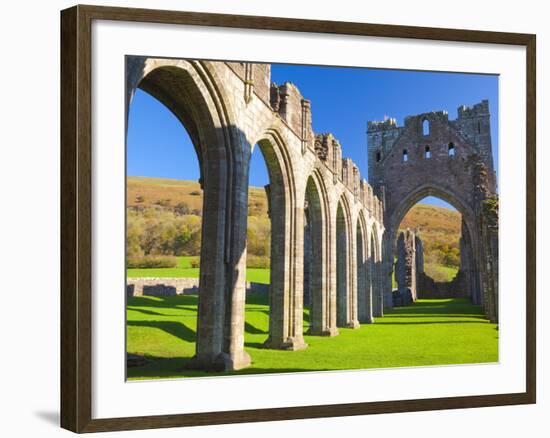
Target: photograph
x,y
288,218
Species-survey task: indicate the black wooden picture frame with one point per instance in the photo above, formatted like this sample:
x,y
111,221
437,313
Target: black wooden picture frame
x,y
76,217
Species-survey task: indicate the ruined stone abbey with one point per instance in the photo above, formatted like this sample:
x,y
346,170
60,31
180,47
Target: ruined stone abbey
x,y
333,233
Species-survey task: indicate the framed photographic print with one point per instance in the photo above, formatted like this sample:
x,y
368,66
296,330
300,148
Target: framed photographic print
x,y
268,218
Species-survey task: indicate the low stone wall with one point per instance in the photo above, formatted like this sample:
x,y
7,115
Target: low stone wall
x,y
163,287
456,288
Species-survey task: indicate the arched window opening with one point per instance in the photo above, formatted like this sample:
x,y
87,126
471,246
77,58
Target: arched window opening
x,y
479,127
427,152
425,127
378,156
451,149
405,155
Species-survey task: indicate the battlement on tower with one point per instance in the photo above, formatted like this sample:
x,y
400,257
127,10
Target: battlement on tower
x,y
386,124
428,135
478,110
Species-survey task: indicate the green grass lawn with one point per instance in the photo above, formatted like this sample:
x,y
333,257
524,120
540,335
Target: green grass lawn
x,y
185,270
429,332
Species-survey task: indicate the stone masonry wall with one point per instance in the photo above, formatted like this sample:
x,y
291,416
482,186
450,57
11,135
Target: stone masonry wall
x,y
161,287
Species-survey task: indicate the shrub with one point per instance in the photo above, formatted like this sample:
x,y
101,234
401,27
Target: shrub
x,y
163,202
182,208
195,193
253,261
195,263
152,261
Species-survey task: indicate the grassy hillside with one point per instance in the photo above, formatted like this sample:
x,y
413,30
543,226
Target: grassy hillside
x,y
439,229
169,193
434,223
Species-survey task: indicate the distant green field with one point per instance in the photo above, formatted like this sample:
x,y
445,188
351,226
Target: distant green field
x,y
444,273
185,270
429,332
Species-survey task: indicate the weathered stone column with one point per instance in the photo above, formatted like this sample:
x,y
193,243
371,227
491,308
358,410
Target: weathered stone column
x,y
364,294
317,256
405,267
383,268
287,257
234,356
212,282
332,266
353,320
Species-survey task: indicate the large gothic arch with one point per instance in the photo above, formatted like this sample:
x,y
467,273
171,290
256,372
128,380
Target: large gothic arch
x,y
189,90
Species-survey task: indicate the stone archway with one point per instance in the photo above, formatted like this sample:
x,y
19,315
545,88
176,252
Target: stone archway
x,y
286,292
468,225
345,288
193,97
317,249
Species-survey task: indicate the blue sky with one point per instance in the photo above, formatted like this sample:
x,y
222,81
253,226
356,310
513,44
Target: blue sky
x,y
342,101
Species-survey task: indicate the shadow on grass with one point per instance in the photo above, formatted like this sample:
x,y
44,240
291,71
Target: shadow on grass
x,y
145,311
176,329
382,322
258,299
249,328
254,345
478,318
171,302
460,307
175,367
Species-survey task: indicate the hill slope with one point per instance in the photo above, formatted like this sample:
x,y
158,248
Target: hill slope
x,y
438,227
151,192
434,224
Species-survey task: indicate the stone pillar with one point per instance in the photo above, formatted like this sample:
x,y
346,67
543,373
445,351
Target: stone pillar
x,y
364,291
353,319
308,262
419,256
211,345
287,258
342,270
406,266
332,265
317,270
234,356
383,269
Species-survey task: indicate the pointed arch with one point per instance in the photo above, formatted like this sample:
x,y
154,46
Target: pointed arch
x,y
344,264
469,253
286,292
192,91
317,250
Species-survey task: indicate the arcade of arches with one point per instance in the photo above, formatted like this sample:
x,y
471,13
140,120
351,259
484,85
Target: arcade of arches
x,y
331,229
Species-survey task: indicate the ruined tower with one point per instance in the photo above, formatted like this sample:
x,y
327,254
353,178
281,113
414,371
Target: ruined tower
x,y
432,155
